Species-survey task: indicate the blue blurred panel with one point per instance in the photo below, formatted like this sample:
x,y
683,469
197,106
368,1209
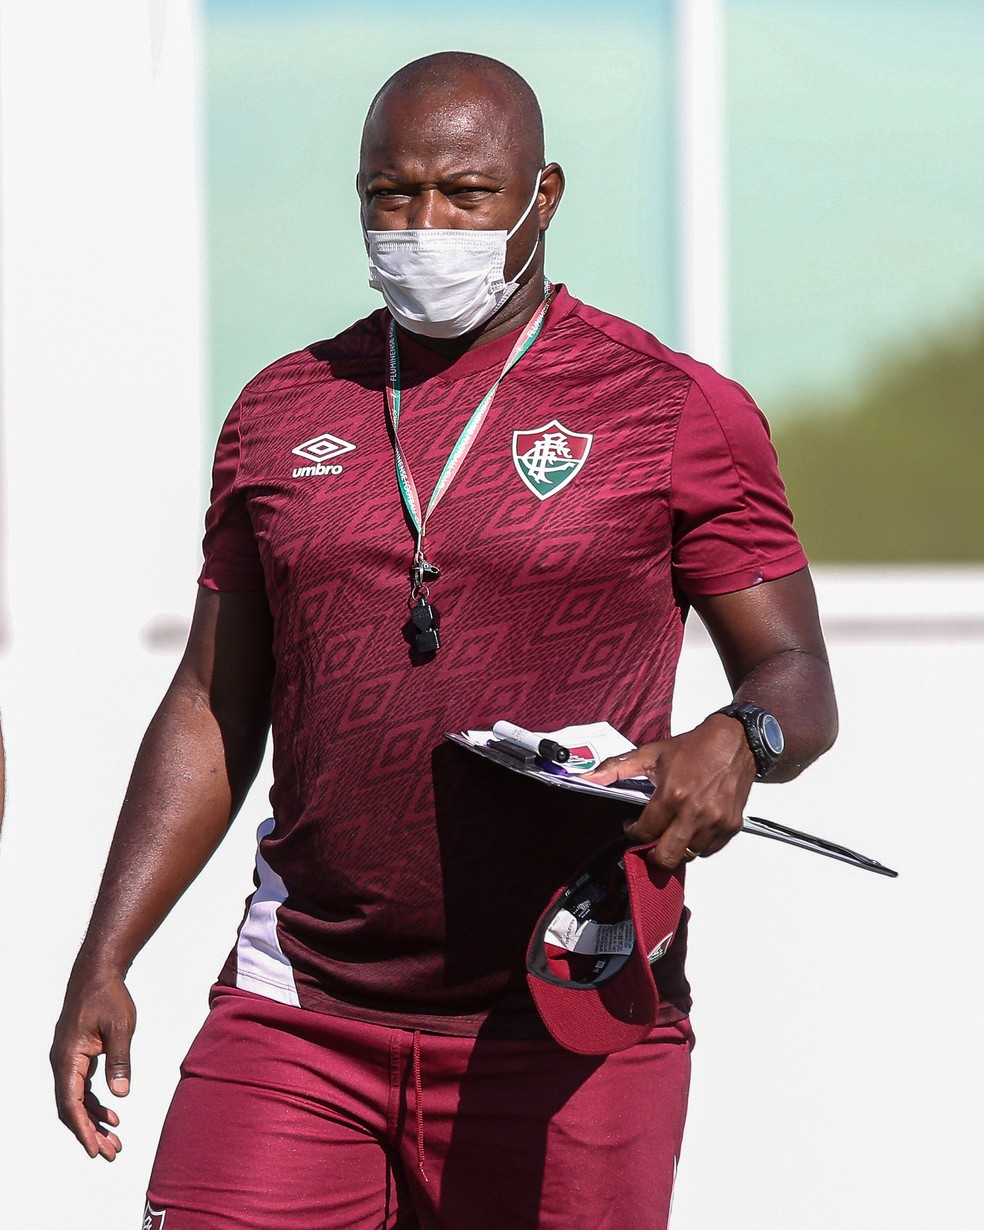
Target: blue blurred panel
x,y
856,188
287,88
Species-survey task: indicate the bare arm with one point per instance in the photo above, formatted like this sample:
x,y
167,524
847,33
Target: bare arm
x,y
771,645
194,767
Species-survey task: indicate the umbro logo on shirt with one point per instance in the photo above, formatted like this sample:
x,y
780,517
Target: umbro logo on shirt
x,y
547,458
321,449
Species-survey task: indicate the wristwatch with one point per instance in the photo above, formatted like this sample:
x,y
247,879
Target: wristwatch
x,y
764,735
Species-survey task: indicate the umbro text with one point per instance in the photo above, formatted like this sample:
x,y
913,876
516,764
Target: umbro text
x,y
304,471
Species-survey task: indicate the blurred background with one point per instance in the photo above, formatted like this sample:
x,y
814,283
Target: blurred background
x,y
842,141
791,190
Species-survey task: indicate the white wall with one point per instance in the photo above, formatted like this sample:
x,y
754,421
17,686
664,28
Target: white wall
x,y
101,421
838,1013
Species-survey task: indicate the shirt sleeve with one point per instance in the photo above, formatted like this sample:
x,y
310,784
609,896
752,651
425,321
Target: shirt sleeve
x,y
732,527
232,559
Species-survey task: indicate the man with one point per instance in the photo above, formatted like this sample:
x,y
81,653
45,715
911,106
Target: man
x,y
372,1056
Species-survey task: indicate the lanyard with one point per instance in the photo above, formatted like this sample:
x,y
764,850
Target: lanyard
x,y
469,433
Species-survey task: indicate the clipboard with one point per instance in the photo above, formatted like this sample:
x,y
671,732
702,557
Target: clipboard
x,y
636,791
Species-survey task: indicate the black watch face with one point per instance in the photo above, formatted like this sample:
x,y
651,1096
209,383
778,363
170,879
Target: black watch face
x,y
772,735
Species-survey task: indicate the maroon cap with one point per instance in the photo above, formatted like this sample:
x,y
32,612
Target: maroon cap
x,y
589,963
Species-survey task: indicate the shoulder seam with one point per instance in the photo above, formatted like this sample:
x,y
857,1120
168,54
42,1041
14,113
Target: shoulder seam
x,y
666,360
615,341
735,468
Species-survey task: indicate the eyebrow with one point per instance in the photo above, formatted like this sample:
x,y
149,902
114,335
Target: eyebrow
x,y
493,175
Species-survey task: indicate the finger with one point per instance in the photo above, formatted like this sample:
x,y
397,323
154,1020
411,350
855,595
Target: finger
x,y
654,820
647,827
102,1119
617,768
71,1092
702,838
717,841
98,1113
680,843
117,1040
109,1145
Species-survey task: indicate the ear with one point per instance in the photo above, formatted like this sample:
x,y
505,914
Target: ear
x,y
362,205
551,190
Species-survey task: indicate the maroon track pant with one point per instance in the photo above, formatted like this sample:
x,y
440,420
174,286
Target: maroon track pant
x,y
286,1119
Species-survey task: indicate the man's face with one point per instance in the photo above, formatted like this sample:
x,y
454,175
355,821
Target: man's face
x,y
457,164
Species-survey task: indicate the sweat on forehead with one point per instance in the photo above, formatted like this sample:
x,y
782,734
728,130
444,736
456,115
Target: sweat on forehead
x,y
459,80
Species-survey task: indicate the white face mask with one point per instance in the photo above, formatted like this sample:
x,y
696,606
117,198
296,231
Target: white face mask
x,y
444,283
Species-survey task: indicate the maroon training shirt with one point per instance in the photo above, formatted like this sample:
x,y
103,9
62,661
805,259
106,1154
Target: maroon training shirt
x,y
401,878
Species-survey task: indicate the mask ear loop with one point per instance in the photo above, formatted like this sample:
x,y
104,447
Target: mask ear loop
x,y
525,215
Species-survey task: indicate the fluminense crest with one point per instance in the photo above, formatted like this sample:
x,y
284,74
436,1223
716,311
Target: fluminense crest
x,y
153,1218
547,458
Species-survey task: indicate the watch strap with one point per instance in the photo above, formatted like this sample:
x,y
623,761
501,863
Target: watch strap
x,y
752,718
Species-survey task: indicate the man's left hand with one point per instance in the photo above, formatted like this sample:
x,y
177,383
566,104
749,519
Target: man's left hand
x,y
702,780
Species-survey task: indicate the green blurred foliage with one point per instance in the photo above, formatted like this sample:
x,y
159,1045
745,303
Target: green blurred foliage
x,y
893,473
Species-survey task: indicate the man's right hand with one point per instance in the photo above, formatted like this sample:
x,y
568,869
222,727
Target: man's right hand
x,y
194,767
98,1018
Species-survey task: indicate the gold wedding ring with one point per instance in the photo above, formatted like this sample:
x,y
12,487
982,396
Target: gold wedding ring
x,y
692,853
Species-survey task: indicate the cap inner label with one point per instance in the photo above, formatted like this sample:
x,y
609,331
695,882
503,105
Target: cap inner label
x,y
566,931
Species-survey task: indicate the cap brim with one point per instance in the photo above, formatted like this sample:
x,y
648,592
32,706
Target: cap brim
x,y
620,1011
598,1020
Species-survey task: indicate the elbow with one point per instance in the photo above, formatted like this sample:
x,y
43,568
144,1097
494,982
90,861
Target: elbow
x,y
808,747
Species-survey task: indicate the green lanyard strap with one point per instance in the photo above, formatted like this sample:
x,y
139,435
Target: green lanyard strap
x,y
469,433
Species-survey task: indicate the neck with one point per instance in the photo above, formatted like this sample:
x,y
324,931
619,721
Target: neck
x,y
517,311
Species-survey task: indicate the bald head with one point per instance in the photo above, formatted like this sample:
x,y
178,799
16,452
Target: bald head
x,y
460,87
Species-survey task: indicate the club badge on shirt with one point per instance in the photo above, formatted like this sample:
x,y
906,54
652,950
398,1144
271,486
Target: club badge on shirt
x,y
547,458
153,1218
